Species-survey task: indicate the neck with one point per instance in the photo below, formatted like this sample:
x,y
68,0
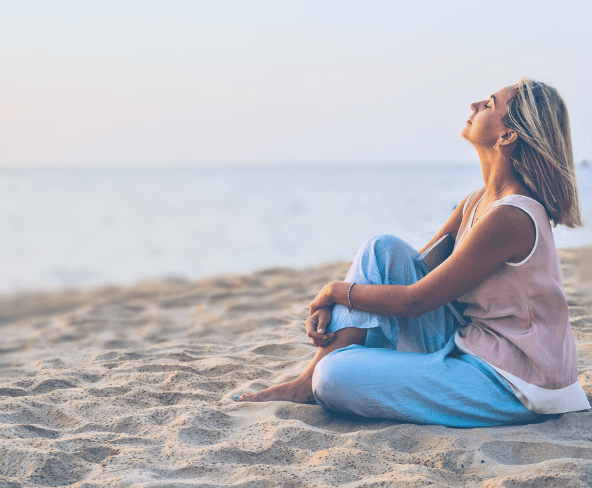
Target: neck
x,y
498,172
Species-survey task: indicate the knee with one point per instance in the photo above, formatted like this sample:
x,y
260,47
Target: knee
x,y
329,380
322,373
384,250
386,243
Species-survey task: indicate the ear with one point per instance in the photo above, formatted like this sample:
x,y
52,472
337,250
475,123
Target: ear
x,y
507,137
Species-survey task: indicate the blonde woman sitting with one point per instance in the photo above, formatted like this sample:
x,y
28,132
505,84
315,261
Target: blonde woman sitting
x,y
391,346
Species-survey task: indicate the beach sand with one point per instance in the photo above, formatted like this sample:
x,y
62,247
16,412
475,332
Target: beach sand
x,y
133,387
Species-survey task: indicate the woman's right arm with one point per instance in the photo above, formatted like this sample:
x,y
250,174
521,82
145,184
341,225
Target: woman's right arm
x,y
452,225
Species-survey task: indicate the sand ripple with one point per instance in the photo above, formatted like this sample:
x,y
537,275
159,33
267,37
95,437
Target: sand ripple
x,y
133,387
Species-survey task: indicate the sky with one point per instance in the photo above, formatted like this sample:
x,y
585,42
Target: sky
x,y
275,82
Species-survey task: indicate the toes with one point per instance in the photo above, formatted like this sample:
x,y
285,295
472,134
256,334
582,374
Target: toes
x,y
246,397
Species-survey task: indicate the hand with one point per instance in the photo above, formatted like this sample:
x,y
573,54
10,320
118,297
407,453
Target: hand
x,y
323,299
316,326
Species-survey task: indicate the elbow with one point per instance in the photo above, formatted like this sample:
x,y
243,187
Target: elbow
x,y
412,304
415,313
416,303
415,308
419,308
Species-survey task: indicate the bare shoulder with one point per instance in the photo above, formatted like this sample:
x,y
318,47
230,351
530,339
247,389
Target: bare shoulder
x,y
510,229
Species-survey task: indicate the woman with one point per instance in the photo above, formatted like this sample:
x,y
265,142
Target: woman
x,y
390,347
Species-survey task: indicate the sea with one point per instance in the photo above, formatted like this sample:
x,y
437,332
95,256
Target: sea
x,y
88,227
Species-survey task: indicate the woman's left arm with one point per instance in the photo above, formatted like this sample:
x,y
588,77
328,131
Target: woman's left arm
x,y
503,234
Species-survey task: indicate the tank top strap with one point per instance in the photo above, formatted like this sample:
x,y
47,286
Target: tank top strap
x,y
470,200
527,204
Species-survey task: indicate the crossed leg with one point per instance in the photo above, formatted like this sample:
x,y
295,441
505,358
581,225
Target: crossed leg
x,y
382,259
300,389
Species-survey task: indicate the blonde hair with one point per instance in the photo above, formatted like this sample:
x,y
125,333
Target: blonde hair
x,y
543,156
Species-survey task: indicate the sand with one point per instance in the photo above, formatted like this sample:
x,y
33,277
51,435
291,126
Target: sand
x,y
133,387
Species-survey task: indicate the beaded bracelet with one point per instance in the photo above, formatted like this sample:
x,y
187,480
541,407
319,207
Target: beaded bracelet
x,y
351,307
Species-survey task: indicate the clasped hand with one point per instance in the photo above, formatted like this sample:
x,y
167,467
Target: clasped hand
x,y
321,311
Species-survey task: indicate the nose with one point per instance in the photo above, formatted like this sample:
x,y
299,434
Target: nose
x,y
474,107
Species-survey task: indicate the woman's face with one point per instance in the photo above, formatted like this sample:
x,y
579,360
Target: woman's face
x,y
485,125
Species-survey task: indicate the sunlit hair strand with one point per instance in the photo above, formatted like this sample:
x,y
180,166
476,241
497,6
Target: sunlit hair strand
x,y
543,156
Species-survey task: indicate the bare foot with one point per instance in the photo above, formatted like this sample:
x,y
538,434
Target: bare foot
x,y
297,391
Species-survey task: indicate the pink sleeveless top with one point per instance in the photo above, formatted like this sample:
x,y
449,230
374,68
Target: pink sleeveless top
x,y
519,319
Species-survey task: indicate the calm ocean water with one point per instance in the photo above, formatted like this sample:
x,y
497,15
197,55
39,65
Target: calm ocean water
x,y
86,227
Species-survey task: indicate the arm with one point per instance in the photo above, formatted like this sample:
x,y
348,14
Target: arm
x,y
451,226
504,234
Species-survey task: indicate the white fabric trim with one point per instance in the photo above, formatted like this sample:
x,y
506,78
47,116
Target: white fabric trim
x,y
537,399
470,200
524,196
536,231
473,213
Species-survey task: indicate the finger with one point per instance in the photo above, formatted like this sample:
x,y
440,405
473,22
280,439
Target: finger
x,y
322,342
310,325
322,324
321,327
313,334
324,339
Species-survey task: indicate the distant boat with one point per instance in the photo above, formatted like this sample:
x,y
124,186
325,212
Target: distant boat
x,y
585,163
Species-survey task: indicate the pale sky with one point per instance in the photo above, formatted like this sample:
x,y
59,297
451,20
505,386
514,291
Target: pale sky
x,y
241,81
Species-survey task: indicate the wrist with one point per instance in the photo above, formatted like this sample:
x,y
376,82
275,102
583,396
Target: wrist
x,y
338,292
334,291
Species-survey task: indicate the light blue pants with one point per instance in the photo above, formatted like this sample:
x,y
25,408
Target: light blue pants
x,y
409,368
